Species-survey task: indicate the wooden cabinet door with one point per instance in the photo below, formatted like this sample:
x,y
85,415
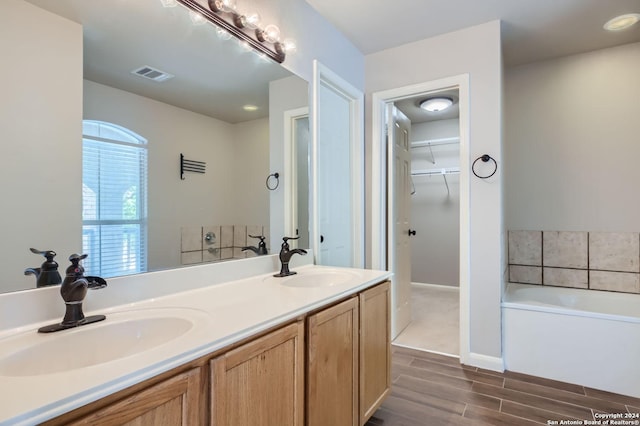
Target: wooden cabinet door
x,y
375,349
332,366
261,383
174,402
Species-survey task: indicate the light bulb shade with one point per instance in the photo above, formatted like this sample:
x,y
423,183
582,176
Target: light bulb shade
x,y
253,19
271,33
622,22
229,5
289,45
436,104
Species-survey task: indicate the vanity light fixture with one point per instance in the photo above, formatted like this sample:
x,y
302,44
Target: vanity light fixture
x,y
622,22
224,14
436,104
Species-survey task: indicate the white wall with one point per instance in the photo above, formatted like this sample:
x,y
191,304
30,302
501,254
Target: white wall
x,y
315,39
572,142
251,168
435,212
40,112
230,192
475,51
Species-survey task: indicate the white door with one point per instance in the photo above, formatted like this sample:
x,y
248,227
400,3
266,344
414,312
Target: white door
x,y
338,170
399,255
334,178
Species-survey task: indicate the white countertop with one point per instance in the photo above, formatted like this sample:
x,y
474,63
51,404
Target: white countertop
x,y
228,313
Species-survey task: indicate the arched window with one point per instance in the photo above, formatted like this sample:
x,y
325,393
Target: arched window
x,y
114,199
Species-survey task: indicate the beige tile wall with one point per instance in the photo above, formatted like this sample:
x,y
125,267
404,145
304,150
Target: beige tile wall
x,y
213,243
607,261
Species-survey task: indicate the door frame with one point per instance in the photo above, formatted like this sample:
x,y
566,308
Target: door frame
x,y
380,207
291,170
324,76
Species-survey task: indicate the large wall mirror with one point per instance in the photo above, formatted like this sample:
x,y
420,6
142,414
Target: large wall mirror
x,y
217,107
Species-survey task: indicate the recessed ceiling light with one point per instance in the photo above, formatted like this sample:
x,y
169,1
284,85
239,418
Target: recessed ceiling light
x,y
622,22
250,108
436,104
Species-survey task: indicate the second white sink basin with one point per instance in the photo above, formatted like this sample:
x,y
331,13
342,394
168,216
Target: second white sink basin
x,y
326,278
121,335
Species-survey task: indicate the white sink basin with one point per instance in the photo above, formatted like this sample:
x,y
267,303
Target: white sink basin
x,y
327,278
121,335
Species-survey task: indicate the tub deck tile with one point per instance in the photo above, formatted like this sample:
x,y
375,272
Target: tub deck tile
x,y
432,389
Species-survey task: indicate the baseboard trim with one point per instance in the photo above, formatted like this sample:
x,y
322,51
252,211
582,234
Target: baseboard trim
x,y
438,286
484,361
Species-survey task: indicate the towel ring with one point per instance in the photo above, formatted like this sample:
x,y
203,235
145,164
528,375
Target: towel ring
x,y
485,158
275,175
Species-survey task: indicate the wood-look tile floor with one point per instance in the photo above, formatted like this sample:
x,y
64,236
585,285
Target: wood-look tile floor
x,y
432,389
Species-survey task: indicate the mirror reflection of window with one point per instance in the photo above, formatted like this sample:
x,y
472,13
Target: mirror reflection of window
x,y
114,199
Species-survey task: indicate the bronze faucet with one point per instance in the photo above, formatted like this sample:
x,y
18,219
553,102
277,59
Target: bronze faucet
x,y
47,274
73,290
285,257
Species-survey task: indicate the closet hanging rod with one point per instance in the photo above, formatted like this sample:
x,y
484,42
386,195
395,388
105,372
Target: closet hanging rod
x,y
449,171
435,142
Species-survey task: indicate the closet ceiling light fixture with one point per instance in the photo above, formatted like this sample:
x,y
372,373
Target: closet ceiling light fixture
x,y
622,22
436,104
246,28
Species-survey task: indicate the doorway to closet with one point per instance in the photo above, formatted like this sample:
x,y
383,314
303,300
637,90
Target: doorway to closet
x,y
424,149
434,211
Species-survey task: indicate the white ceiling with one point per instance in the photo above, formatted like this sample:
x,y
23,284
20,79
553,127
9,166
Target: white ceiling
x,y
411,107
217,78
532,30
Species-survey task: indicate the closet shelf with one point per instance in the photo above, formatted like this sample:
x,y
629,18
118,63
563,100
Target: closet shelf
x,y
442,172
430,172
435,142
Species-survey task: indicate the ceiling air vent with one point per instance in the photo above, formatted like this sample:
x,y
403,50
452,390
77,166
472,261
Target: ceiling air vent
x,y
152,73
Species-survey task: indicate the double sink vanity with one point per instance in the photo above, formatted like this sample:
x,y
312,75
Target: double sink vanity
x,y
222,344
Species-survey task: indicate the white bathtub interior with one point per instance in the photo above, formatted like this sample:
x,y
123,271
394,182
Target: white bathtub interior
x,y
589,338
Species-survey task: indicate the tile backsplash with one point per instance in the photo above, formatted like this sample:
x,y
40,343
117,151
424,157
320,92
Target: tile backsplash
x,y
607,261
213,243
